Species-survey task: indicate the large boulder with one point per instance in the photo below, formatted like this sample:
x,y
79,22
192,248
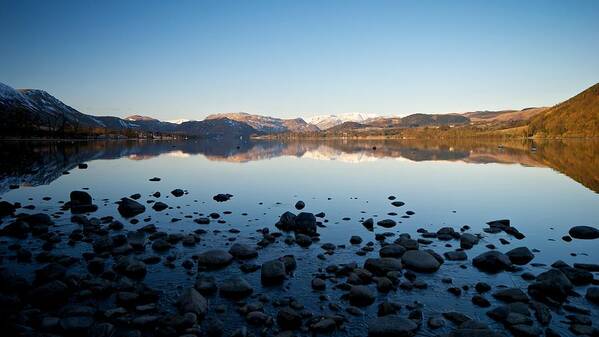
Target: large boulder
x,y
214,258
492,262
551,284
420,261
391,326
130,208
584,232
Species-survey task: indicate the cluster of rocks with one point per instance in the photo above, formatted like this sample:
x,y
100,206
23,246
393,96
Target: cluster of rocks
x,y
58,301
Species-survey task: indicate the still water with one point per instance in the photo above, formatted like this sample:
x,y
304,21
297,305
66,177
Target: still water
x,y
543,188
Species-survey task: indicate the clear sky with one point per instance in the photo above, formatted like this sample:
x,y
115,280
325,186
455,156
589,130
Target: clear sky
x,y
186,59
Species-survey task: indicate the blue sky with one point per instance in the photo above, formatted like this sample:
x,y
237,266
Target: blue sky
x,y
187,59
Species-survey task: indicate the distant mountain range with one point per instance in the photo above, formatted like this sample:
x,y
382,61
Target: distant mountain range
x,y
32,111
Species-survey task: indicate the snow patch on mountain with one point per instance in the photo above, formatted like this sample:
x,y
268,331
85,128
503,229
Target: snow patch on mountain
x,y
178,121
324,122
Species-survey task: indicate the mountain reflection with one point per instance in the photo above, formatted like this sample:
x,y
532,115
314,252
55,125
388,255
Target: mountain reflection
x,y
39,163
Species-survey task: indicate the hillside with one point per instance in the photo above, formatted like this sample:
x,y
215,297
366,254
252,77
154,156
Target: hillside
x,y
267,124
503,115
576,117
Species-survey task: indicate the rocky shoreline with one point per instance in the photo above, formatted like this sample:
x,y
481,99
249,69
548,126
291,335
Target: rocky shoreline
x,y
69,273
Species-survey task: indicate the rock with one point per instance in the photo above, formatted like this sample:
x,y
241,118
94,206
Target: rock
x,y
76,324
577,276
368,224
137,239
50,294
420,261
103,329
324,326
129,208
551,284
397,203
520,256
214,259
235,288
381,266
161,245
592,294
303,240
272,272
480,301
386,223
222,197
206,285
6,208
511,295
584,232
542,313
391,326
289,319
524,330
17,229
468,240
242,251
192,301
492,262
392,250
81,202
474,328
456,255
300,205
177,192
456,317
305,223
355,240
159,206
318,284
360,296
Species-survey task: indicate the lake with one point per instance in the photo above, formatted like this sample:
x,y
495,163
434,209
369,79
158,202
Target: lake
x,y
543,188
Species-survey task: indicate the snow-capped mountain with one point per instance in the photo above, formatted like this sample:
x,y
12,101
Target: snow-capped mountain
x,y
324,122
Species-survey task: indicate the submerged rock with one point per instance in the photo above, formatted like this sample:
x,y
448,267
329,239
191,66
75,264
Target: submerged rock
x,y
235,288
391,326
243,251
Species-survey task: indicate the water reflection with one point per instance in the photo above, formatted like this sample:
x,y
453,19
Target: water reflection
x,y
40,163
